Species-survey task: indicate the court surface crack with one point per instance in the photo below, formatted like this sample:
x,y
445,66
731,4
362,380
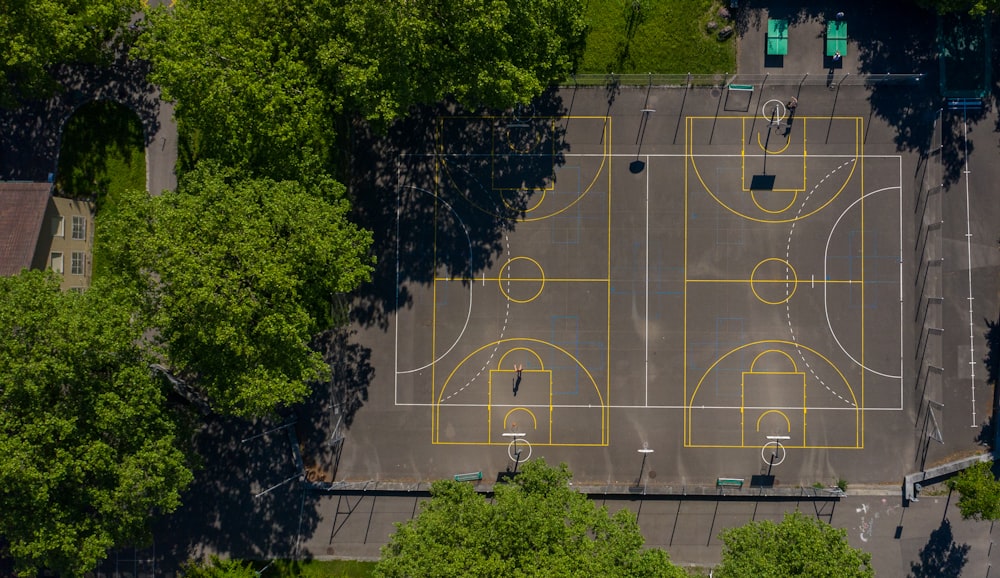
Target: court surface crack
x,y
788,309
503,329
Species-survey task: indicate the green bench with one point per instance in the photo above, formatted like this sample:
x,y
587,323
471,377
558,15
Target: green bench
x,y
729,483
746,87
777,37
836,38
470,477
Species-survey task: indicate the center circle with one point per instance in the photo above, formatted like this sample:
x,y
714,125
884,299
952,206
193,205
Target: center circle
x,y
521,279
770,279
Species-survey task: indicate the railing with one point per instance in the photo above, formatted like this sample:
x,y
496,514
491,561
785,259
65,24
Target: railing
x,y
721,80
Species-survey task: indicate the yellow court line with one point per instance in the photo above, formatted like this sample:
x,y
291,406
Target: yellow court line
x,y
538,444
606,416
859,147
520,279
604,161
788,422
788,143
777,351
697,172
690,405
534,420
791,203
604,406
688,127
798,447
537,357
779,281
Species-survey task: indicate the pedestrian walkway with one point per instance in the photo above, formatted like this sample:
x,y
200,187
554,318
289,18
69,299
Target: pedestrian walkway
x,y
928,538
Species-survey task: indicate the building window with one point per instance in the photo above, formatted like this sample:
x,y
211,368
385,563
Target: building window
x,y
58,226
56,263
77,263
79,228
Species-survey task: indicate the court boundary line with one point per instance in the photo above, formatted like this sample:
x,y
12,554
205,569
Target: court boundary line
x,y
861,157
440,159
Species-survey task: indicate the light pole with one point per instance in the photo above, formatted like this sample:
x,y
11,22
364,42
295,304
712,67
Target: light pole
x,y
645,451
517,451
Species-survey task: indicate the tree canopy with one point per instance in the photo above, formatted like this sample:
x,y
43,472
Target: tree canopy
x,y
979,492
261,85
37,34
87,449
236,276
798,546
973,7
536,525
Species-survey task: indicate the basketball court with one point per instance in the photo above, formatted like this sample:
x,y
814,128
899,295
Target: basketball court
x,y
737,291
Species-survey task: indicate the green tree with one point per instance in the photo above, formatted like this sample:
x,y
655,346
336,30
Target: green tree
x,y
536,525
236,275
798,546
973,7
37,34
243,80
87,449
261,85
979,492
216,568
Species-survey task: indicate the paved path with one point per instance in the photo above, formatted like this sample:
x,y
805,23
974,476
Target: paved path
x,y
928,538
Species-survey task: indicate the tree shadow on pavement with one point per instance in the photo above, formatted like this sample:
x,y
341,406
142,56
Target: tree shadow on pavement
x,y
247,500
30,134
941,557
442,188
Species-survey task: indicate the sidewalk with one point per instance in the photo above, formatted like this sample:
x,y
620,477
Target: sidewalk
x,y
928,538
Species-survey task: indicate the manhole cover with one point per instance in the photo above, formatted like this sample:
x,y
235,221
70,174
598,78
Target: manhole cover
x,y
652,474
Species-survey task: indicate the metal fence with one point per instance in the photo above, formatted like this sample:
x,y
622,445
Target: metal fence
x,y
756,80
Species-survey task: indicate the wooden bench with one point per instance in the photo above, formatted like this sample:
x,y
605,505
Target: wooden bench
x,y
469,477
729,483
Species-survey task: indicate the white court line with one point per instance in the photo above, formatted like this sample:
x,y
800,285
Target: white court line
x,y
968,244
901,350
826,307
680,407
395,314
647,282
468,314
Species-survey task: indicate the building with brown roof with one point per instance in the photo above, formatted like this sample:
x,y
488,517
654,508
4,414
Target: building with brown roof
x,y
39,231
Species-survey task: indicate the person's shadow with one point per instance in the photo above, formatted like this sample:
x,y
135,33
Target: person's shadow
x,y
517,383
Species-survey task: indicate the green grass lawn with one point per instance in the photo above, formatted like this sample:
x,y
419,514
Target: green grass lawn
x,y
664,37
103,153
316,569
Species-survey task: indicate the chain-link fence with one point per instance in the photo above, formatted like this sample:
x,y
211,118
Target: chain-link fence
x,y
754,80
